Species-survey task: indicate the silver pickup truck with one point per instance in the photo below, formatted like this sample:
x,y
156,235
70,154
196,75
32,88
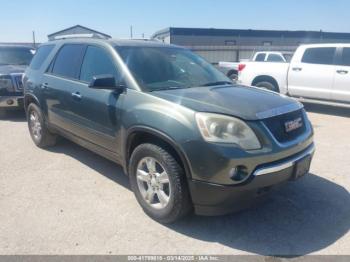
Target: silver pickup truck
x,y
13,62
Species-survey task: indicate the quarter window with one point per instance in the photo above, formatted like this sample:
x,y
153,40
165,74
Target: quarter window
x,y
322,56
68,61
96,62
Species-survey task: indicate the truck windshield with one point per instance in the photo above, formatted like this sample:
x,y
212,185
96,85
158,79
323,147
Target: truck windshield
x,y
15,56
164,68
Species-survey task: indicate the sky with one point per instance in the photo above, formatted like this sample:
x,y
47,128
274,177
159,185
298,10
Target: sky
x,y
18,18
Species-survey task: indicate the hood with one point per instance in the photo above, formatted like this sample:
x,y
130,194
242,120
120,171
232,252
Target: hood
x,y
10,69
244,102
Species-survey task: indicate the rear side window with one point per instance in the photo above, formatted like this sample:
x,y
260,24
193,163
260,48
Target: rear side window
x,y
274,58
68,61
96,62
321,56
260,58
346,57
40,56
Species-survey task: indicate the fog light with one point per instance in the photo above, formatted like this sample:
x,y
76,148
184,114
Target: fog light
x,y
9,102
238,173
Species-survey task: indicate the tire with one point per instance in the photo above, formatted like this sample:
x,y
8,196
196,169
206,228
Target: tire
x,y
179,203
267,85
38,130
233,76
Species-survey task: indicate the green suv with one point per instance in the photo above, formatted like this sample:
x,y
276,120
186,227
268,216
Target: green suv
x,y
187,137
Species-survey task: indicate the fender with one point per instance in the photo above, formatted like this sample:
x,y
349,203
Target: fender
x,y
160,135
30,96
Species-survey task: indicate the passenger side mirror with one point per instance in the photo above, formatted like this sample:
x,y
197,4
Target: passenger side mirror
x,y
106,82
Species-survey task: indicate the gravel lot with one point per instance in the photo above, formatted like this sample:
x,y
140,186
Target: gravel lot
x,y
67,200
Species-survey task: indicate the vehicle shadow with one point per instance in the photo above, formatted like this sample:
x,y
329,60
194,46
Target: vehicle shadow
x,y
100,164
297,219
329,110
14,116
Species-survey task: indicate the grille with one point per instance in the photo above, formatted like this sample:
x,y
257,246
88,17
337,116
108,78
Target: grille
x,y
18,82
277,126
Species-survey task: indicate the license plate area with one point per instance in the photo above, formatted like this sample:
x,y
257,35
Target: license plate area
x,y
301,167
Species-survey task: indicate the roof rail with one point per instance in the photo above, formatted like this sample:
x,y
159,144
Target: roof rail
x,y
92,35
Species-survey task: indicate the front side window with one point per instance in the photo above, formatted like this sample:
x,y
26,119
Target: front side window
x,y
320,55
160,68
68,61
96,62
40,56
15,55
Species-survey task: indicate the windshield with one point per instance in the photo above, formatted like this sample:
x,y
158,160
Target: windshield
x,y
163,68
15,56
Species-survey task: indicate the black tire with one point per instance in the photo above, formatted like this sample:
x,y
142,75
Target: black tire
x,y
179,204
267,85
233,76
46,138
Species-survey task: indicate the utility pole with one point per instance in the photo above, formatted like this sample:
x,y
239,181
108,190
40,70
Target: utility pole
x,y
131,36
34,44
143,35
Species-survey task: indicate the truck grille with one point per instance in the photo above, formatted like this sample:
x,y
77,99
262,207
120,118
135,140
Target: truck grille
x,y
277,126
18,82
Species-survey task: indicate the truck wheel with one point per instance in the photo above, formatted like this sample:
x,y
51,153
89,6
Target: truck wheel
x,y
267,85
233,76
38,130
159,183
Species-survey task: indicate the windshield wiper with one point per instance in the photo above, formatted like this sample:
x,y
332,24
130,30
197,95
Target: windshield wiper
x,y
218,83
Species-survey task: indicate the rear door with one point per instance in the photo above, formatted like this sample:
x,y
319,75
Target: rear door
x,y
313,75
59,84
341,87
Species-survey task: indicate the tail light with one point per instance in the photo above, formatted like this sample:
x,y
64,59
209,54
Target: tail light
x,y
241,67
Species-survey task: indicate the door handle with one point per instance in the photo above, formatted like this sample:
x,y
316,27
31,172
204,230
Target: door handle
x,y
342,72
44,85
76,96
297,69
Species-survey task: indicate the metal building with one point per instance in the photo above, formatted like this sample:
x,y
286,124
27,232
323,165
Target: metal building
x,y
235,44
77,30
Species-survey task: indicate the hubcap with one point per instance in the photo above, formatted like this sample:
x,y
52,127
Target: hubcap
x,y
153,182
35,125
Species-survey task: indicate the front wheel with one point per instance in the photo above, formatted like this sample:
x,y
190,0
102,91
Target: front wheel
x,y
159,183
38,130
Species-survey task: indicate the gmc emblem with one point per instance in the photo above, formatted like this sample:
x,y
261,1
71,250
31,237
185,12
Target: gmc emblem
x,y
293,124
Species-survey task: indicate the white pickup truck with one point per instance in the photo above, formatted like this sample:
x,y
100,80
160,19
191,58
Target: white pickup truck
x,y
231,68
316,73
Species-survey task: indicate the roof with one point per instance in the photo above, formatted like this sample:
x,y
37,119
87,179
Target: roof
x,y
114,42
249,33
79,26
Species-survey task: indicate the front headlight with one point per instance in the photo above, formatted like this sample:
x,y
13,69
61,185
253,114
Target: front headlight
x,y
6,83
225,129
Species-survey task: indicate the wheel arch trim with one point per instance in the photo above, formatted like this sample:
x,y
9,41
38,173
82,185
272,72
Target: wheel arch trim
x,y
162,136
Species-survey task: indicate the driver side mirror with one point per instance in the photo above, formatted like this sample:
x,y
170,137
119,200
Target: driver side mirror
x,y
106,82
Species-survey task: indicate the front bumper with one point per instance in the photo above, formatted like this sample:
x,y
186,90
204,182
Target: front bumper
x,y
216,199
11,101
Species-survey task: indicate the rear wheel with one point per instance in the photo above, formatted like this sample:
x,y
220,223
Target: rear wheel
x,y
39,132
267,85
159,183
233,76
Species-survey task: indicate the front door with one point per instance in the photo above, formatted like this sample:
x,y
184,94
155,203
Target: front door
x,y
341,86
313,76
